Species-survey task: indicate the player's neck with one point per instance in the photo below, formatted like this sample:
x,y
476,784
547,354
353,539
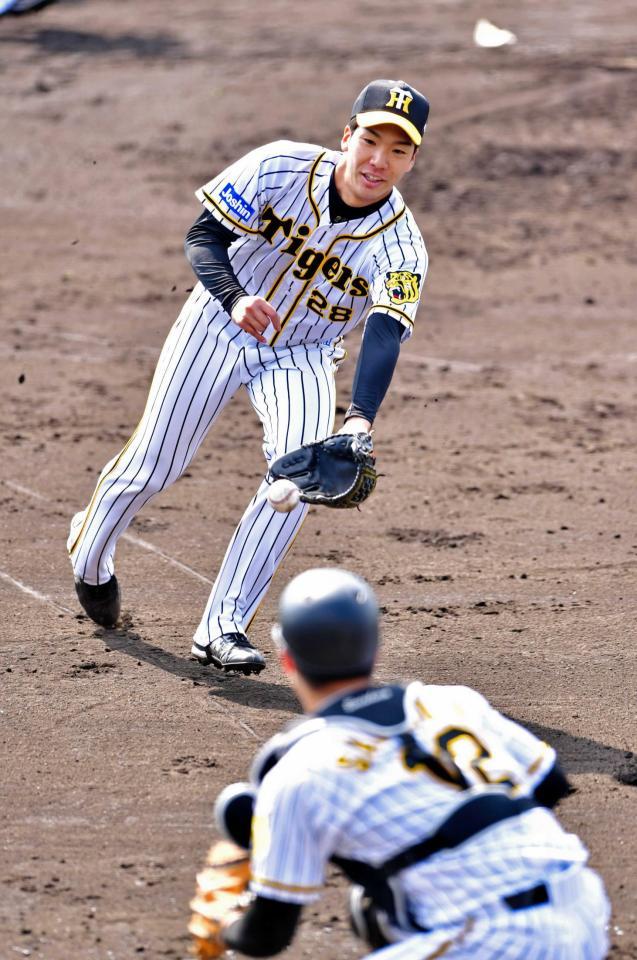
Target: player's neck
x,y
341,209
313,698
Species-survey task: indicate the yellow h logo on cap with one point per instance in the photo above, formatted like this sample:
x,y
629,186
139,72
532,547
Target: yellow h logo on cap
x,y
400,99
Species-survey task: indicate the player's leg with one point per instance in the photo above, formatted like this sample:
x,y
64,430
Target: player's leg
x,y
570,925
445,942
294,396
576,927
197,372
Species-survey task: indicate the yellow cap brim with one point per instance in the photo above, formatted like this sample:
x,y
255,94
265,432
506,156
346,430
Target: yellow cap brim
x,y
376,117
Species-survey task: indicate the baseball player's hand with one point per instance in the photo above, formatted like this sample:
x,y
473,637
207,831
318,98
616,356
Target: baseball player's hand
x,y
254,314
219,897
356,425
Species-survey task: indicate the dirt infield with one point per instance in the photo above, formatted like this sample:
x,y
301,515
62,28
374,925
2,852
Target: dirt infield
x,y
501,539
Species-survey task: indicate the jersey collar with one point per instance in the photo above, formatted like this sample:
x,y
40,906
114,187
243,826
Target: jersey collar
x,y
382,706
385,212
340,211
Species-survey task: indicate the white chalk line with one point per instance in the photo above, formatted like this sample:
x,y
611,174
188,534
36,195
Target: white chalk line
x,y
247,727
26,491
137,541
42,597
232,716
145,545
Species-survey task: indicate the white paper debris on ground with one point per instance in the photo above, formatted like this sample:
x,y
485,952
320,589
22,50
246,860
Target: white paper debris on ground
x,y
486,34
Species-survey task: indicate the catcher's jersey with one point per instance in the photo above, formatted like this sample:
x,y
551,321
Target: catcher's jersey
x,y
322,277
343,787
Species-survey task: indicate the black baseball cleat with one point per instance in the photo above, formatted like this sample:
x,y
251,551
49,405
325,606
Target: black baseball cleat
x,y
230,651
101,602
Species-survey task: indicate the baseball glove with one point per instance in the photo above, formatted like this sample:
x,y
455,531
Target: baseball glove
x,y
220,897
337,472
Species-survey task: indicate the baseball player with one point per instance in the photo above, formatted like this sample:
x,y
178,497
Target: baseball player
x,y
296,245
22,6
433,804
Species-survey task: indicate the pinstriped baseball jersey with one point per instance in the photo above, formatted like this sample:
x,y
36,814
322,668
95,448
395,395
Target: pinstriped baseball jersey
x,y
322,277
308,230
345,787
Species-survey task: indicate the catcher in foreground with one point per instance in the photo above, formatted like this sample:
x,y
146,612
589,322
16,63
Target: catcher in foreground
x,y
434,806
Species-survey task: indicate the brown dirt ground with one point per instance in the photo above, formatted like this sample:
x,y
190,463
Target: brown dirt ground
x,y
501,540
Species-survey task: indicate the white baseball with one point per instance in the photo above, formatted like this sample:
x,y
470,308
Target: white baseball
x,y
283,495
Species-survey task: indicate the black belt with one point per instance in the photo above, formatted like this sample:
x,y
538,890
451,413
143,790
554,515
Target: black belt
x,y
534,897
528,898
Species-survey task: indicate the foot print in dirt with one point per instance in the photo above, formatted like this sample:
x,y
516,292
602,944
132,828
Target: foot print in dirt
x,y
189,763
432,538
87,667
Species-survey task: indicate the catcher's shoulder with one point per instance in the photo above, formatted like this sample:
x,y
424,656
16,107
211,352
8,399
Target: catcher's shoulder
x,y
289,760
434,697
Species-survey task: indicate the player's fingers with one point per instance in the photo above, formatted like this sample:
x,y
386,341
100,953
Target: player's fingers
x,y
256,314
264,314
259,322
271,314
249,326
253,329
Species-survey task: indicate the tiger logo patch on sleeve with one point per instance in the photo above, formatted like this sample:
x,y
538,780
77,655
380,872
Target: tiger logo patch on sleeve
x,y
403,286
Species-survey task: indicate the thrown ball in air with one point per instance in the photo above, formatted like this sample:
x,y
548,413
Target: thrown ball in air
x,y
283,496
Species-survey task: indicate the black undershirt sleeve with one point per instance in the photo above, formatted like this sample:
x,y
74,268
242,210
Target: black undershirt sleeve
x,y
206,248
553,787
266,928
377,359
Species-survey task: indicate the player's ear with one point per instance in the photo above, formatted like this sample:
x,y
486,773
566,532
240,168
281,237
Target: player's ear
x,y
287,663
347,136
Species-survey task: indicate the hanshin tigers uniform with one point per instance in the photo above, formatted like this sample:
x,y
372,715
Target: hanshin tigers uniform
x,y
323,277
425,796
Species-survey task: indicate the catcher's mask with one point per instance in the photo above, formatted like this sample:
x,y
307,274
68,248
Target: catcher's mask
x,y
328,620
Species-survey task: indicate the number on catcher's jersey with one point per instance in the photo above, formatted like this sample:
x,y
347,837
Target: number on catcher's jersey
x,y
450,752
464,758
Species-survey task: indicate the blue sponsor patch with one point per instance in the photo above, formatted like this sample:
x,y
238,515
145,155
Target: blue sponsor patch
x,y
236,202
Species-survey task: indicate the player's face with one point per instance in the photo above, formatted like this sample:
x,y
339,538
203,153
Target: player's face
x,y
375,160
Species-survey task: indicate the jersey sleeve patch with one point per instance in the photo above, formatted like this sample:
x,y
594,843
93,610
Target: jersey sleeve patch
x,y
236,203
233,195
402,286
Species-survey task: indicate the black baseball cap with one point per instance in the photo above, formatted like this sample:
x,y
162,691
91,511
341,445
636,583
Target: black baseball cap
x,y
392,101
328,620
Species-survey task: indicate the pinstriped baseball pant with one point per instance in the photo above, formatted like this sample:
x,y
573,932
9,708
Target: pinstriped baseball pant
x,y
205,360
573,926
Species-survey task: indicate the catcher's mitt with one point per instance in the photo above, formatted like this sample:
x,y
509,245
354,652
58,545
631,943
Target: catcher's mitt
x,y
220,897
337,472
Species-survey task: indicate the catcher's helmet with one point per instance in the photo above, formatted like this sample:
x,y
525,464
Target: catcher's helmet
x,y
328,620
